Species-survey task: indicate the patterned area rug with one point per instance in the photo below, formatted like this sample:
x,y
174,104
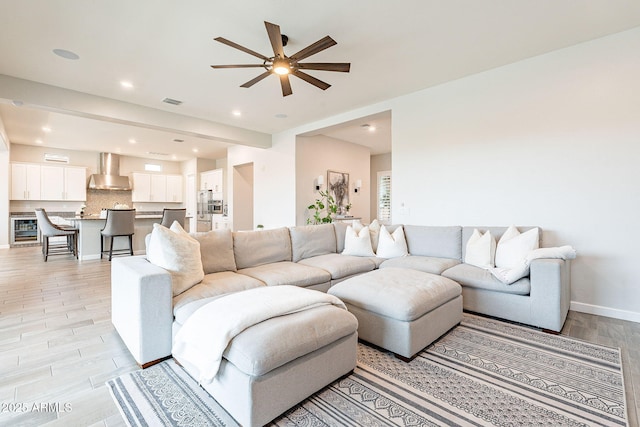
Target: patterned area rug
x,y
483,372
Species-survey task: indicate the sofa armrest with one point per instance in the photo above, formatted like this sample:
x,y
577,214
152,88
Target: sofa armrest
x,y
141,308
550,292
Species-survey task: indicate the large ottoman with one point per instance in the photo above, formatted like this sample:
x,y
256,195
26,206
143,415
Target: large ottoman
x,y
401,310
273,365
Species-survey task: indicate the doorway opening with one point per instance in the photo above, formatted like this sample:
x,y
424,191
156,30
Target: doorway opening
x,y
243,197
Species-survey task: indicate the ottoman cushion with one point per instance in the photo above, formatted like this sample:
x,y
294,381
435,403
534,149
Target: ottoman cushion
x,y
398,293
269,345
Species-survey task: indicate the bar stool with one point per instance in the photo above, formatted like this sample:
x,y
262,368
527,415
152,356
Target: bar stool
x,y
119,223
170,215
49,229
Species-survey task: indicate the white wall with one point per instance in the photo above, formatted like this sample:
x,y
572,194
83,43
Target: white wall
x,y
274,180
552,141
314,156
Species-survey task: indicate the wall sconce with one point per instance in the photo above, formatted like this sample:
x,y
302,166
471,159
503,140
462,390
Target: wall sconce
x,y
358,185
319,182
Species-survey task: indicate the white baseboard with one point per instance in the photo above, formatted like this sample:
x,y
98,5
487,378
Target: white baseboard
x,y
631,316
5,246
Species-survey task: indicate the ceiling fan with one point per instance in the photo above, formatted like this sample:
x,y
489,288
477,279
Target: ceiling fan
x,y
283,65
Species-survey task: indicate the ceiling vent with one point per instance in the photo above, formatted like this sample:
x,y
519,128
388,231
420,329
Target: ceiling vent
x,y
55,158
172,101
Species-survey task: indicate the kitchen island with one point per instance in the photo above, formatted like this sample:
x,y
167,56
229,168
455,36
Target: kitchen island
x,y
89,239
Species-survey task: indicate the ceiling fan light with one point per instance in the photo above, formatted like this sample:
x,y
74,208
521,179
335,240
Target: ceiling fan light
x,y
281,67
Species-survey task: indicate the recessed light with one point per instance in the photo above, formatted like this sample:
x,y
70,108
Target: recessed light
x,y
174,157
46,129
126,84
132,141
38,141
195,150
66,54
236,113
281,116
372,128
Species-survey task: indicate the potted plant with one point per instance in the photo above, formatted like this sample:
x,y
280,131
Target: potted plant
x,y
323,208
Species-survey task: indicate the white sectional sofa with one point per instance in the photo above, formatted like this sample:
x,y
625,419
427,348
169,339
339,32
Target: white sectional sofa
x,y
146,314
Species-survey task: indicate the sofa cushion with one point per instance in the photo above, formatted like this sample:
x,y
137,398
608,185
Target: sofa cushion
x,y
427,264
398,293
312,240
288,273
476,277
254,248
340,266
273,343
212,285
441,242
178,253
340,229
216,251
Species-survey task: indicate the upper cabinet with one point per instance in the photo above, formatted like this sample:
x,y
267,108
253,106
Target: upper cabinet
x,y
211,180
63,183
156,188
25,181
46,182
174,188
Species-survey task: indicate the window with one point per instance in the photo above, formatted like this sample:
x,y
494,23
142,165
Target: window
x,y
152,167
384,197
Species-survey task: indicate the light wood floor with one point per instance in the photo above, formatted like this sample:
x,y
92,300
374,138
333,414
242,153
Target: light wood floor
x,y
57,344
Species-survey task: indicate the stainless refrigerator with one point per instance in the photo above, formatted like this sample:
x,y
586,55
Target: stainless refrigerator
x,y
209,203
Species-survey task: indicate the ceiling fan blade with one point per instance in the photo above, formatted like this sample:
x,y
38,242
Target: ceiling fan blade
x,y
342,67
275,37
239,66
256,79
310,79
242,48
318,46
286,85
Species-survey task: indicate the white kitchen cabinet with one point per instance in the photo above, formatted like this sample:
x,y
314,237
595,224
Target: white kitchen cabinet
x,y
75,183
25,181
32,181
156,188
221,222
211,180
174,188
63,183
141,191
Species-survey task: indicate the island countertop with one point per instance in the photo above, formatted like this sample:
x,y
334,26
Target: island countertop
x,y
93,217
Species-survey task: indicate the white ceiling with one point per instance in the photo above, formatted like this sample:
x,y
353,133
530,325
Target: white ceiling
x,y
165,48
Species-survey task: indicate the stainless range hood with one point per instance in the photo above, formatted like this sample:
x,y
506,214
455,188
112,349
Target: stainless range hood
x,y
109,177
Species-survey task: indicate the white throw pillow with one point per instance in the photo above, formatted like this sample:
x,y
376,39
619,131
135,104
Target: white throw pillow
x,y
357,243
178,253
480,250
392,245
374,231
513,247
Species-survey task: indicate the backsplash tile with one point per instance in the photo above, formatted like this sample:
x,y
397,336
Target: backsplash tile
x,y
106,199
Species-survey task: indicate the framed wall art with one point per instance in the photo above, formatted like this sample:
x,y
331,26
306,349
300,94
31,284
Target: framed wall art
x,y
338,187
